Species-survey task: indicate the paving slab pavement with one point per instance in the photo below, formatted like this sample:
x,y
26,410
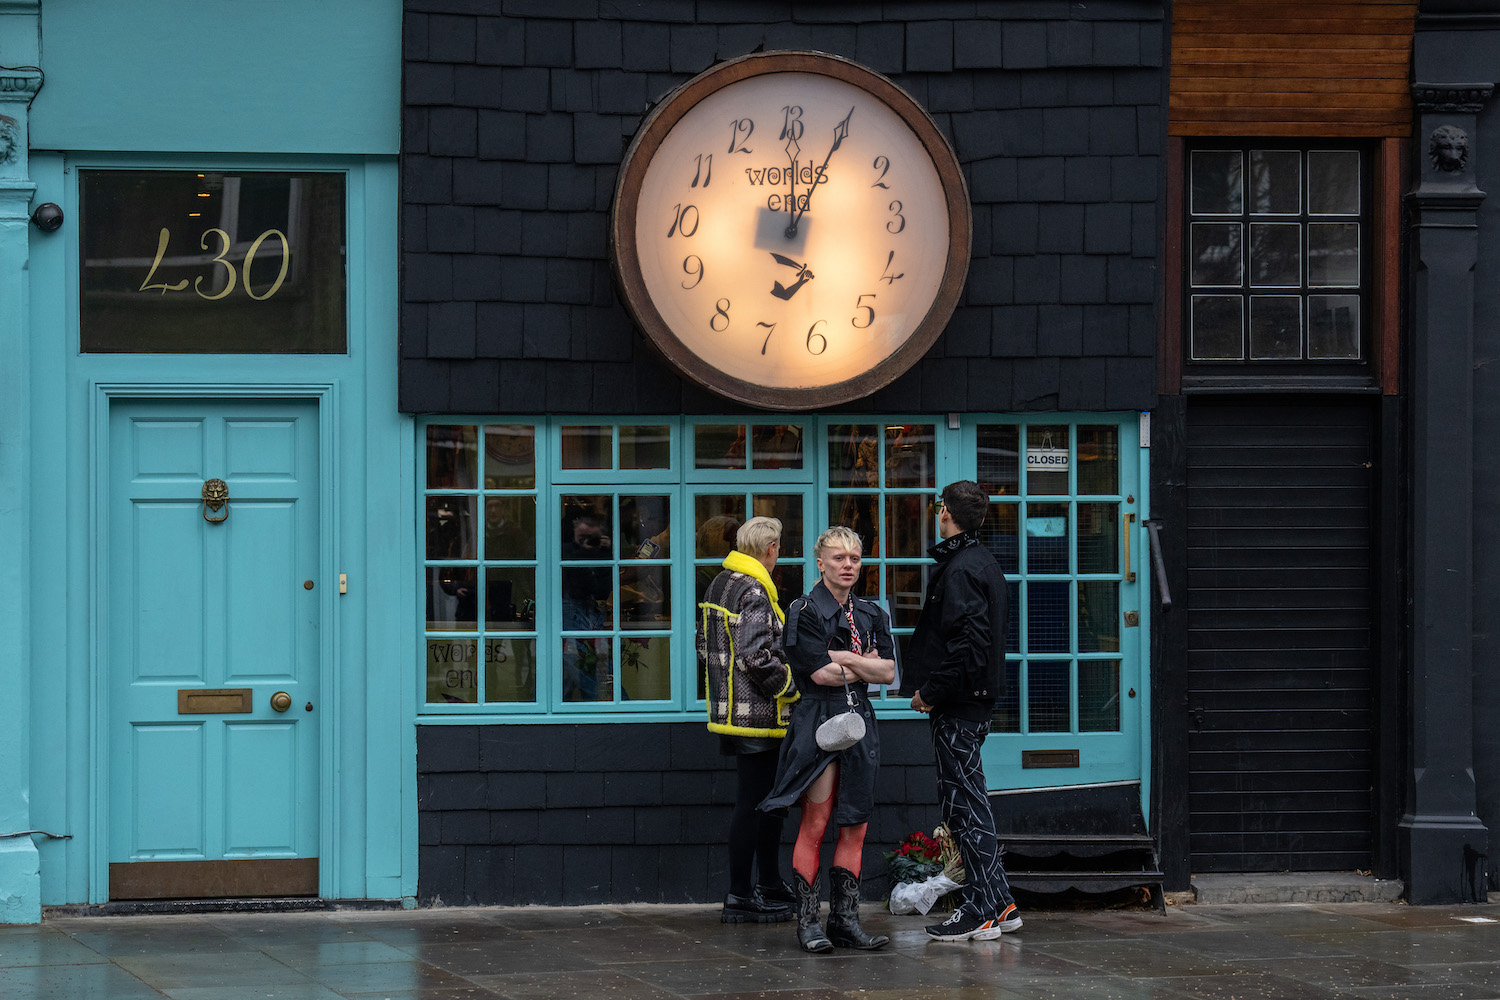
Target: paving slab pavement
x,y
1296,951
1296,887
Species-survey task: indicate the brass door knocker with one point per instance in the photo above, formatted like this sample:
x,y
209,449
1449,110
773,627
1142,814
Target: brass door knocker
x,y
215,496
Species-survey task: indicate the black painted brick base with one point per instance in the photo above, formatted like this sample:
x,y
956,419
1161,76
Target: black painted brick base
x,y
623,813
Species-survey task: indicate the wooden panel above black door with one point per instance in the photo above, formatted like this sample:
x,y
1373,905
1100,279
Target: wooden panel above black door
x,y
1338,68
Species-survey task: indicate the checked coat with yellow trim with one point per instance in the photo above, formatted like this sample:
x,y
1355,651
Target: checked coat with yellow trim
x,y
749,685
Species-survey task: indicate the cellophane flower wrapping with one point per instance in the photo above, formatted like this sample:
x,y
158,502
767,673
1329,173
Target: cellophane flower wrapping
x,y
923,869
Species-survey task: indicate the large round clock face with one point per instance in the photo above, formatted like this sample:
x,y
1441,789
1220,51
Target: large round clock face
x,y
791,230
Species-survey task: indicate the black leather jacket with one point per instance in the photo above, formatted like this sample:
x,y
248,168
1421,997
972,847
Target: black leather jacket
x,y
957,653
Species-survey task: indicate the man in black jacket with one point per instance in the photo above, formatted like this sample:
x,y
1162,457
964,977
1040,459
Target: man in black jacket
x,y
956,668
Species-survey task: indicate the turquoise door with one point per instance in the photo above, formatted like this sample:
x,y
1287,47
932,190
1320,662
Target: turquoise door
x,y
211,646
1065,522
1066,500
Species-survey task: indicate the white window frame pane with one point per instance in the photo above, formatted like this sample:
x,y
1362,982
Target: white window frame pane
x,y
1359,193
1206,154
1250,208
1239,251
1296,281
1301,328
1193,328
1359,237
1359,308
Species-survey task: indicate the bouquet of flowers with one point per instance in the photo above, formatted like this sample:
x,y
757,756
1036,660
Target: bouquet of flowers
x,y
923,869
915,859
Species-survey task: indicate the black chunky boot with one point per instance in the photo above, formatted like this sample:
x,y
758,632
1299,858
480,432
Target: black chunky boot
x,y
753,909
843,913
778,892
809,934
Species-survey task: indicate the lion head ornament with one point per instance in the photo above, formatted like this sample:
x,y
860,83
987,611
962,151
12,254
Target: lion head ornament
x,y
1448,147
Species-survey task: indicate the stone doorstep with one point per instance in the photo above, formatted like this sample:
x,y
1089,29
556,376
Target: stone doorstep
x,y
1295,887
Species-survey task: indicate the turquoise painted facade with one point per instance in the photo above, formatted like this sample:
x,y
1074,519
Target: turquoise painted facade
x,y
231,88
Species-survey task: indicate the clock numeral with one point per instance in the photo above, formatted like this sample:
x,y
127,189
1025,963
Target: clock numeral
x,y
887,276
791,126
742,128
721,311
859,304
898,218
680,220
696,273
883,164
770,329
822,340
705,169
812,332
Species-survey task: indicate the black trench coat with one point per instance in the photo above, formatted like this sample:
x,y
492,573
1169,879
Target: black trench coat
x,y
814,625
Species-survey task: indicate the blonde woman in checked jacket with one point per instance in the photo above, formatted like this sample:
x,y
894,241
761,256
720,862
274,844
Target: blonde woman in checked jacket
x,y
749,691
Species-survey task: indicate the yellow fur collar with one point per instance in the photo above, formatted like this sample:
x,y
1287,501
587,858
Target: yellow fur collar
x,y
738,562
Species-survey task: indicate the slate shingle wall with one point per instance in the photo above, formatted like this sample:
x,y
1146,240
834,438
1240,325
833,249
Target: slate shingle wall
x,y
631,812
516,115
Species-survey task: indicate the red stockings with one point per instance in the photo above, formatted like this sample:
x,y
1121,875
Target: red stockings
x,y
815,816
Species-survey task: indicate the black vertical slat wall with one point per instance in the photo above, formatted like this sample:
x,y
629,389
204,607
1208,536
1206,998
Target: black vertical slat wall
x,y
1281,657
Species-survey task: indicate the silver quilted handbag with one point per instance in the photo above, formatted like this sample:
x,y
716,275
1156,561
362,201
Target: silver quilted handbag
x,y
844,730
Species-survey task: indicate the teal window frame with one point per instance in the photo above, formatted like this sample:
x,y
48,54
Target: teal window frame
x,y
954,444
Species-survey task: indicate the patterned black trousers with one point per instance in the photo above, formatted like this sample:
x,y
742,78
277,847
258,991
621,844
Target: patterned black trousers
x,y
966,811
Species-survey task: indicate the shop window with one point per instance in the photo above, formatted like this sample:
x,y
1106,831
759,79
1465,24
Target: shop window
x,y
480,581
615,597
882,481
1277,259
718,510
563,559
747,446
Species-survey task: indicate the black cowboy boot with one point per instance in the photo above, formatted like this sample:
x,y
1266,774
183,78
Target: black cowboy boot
x,y
843,913
809,933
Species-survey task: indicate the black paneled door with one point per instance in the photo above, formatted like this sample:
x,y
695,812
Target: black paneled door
x,y
1281,648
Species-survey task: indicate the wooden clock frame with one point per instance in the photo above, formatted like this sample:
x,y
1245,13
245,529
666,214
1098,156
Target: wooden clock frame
x,y
626,263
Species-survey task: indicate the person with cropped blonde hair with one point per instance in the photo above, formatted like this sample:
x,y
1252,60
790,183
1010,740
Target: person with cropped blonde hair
x,y
838,537
749,694
836,644
756,536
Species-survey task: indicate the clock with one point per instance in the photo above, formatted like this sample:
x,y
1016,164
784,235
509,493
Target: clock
x,y
790,230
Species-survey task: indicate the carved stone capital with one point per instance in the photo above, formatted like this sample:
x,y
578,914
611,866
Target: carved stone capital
x,y
19,84
17,88
1451,98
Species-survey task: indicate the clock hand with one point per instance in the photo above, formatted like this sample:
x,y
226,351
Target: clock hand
x,y
840,133
792,149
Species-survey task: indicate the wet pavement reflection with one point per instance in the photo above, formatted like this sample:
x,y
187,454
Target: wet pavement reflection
x,y
1376,951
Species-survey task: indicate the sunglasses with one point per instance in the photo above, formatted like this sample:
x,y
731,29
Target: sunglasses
x,y
940,503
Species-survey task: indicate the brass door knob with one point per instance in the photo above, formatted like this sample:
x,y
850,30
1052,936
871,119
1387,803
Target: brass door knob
x,y
281,701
